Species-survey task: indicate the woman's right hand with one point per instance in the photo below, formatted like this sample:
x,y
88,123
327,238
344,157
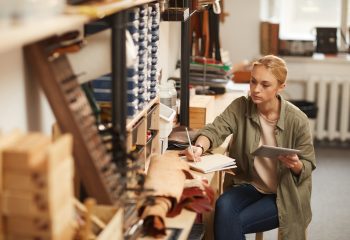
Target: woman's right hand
x,y
194,154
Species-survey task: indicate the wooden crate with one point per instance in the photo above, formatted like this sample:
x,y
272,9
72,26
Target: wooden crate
x,y
66,234
37,176
26,154
40,179
202,110
36,204
41,227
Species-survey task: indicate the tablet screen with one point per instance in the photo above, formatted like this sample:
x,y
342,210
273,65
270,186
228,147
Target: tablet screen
x,y
273,152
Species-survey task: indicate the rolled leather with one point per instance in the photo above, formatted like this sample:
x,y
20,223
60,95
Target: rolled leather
x,y
174,188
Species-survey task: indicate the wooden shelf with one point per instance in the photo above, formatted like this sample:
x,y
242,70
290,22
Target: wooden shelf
x,y
22,34
101,10
319,58
19,35
131,122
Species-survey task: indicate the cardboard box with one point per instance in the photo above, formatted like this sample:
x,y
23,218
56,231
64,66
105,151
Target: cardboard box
x,y
202,110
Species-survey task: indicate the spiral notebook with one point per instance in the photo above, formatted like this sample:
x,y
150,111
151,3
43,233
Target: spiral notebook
x,y
212,163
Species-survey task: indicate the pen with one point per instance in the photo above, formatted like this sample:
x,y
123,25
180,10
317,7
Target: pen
x,y
189,142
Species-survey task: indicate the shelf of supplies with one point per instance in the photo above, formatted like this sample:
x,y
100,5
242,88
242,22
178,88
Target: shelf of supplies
x,y
131,122
31,31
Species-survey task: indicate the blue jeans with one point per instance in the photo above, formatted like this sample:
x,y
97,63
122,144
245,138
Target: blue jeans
x,y
243,209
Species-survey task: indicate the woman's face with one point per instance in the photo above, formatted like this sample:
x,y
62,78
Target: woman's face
x,y
263,85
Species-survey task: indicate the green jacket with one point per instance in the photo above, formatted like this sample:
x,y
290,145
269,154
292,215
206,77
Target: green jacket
x,y
241,120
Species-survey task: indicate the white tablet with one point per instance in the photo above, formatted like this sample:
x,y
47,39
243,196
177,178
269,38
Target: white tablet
x,y
273,152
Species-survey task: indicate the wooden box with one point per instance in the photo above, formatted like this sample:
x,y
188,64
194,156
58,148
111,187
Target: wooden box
x,y
202,110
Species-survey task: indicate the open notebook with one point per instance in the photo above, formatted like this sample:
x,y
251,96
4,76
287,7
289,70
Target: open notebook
x,y
212,163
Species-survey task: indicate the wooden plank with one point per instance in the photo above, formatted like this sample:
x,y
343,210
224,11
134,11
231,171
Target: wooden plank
x,y
50,74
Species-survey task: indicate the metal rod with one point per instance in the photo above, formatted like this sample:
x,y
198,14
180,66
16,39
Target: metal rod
x,y
118,26
185,72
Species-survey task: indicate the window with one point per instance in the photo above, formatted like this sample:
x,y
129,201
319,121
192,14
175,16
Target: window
x,y
298,18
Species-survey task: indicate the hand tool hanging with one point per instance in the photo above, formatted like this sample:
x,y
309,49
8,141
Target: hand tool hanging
x,y
214,31
205,29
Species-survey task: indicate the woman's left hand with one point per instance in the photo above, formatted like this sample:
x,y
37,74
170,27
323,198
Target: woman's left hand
x,y
292,161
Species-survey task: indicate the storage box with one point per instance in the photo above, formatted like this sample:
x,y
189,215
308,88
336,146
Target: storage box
x,y
241,76
167,115
202,110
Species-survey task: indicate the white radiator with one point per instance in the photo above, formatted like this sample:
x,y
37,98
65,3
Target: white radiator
x,y
332,96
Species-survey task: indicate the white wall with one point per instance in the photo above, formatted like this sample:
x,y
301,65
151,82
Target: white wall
x,y
169,47
12,91
22,103
240,31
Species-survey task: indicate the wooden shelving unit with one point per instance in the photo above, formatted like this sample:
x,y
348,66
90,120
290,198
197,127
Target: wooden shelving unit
x,y
20,35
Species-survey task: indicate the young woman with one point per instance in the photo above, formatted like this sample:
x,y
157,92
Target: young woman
x,y
264,193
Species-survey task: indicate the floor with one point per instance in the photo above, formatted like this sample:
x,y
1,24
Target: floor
x,y
330,196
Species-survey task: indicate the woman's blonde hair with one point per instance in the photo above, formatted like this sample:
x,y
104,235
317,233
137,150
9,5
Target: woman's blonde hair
x,y
275,65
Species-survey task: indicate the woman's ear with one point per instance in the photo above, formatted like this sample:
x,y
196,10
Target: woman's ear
x,y
281,87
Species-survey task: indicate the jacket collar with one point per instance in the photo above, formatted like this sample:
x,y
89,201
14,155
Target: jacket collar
x,y
253,114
